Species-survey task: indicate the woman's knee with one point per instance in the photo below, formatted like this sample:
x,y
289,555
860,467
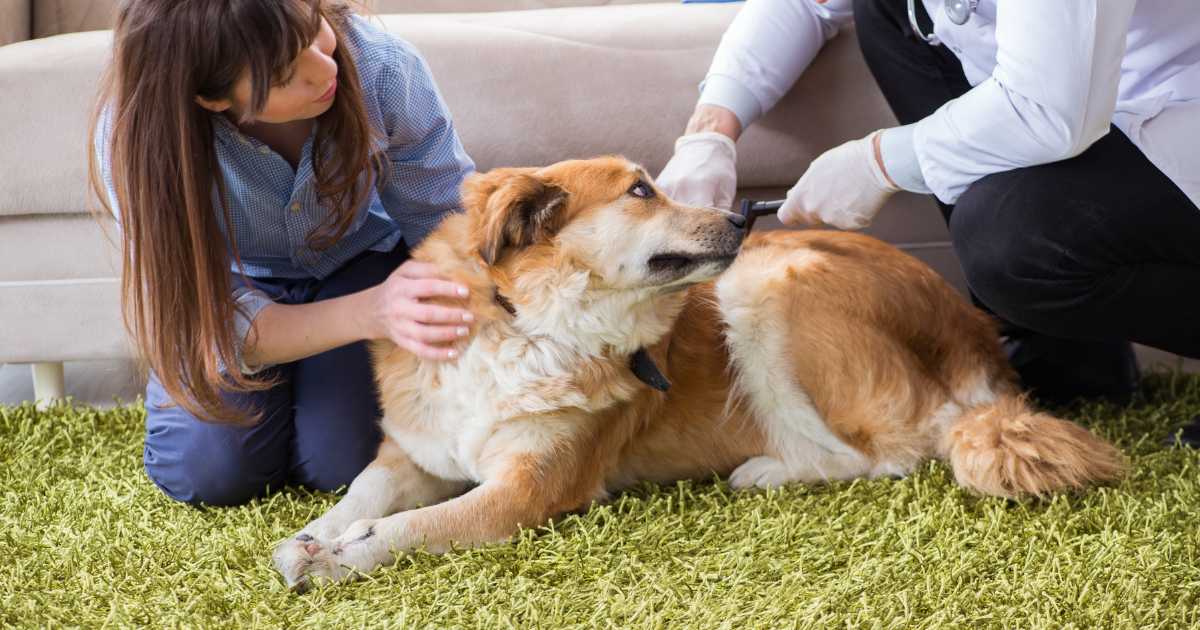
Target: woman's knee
x,y
333,474
202,475
336,384
198,462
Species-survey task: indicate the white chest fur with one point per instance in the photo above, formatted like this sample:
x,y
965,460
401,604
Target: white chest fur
x,y
513,378
498,381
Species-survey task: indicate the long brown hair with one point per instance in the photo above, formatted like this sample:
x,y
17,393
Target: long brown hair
x,y
176,286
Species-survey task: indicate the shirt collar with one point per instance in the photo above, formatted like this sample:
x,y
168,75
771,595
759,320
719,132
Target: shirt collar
x,y
228,133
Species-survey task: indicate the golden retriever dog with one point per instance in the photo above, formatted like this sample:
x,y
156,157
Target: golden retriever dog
x,y
621,337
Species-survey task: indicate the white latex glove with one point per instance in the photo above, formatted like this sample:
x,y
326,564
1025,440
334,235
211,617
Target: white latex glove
x,y
845,187
702,172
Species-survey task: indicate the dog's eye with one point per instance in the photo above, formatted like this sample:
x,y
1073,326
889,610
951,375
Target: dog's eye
x,y
641,190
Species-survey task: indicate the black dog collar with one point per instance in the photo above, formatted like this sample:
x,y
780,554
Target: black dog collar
x,y
640,363
647,372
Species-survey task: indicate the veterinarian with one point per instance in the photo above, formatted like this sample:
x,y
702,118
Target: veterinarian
x,y
1059,138
270,163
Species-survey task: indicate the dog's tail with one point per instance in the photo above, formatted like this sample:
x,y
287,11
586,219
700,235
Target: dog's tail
x,y
1006,449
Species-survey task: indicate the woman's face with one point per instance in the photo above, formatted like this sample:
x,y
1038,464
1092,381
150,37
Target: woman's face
x,y
307,92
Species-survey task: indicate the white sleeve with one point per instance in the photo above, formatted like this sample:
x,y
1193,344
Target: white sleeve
x,y
1051,95
765,49
103,150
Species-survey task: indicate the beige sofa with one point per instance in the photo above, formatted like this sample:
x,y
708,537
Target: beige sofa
x,y
526,87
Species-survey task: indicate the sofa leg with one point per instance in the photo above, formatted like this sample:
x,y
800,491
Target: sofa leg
x,y
48,383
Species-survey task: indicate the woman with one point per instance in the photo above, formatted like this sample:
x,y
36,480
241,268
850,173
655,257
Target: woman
x,y
269,163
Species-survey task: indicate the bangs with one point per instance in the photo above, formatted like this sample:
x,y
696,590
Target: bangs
x,y
267,37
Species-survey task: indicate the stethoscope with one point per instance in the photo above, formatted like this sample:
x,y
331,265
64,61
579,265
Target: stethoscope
x,y
959,11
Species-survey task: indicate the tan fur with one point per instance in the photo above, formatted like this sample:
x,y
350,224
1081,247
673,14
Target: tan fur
x,y
815,355
1006,449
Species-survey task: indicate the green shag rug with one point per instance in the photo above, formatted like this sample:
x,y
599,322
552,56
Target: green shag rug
x,y
88,542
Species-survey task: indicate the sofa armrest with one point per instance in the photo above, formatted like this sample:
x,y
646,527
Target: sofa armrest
x,y
16,20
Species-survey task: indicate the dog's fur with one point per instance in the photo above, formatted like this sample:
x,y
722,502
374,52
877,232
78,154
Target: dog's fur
x,y
814,356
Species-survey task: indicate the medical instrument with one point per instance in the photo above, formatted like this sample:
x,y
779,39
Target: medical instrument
x,y
751,210
958,12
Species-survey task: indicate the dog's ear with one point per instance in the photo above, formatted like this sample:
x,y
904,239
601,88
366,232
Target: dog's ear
x,y
512,208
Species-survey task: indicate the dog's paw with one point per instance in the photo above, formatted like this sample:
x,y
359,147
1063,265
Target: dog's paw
x,y
303,557
761,472
361,548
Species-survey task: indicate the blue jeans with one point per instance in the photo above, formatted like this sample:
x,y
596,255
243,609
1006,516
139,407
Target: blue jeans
x,y
319,426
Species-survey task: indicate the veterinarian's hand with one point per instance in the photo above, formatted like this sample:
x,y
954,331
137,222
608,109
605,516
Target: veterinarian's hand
x,y
702,172
845,187
404,315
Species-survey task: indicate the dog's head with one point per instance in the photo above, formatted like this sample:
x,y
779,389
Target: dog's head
x,y
603,217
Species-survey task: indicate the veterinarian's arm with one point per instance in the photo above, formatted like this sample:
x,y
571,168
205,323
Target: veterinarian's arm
x,y
766,48
1051,95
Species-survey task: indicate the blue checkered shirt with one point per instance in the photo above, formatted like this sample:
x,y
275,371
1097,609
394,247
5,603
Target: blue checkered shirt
x,y
273,208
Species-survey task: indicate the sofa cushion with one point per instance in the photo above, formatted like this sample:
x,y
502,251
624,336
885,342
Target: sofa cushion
x,y
59,290
49,247
42,158
58,17
65,320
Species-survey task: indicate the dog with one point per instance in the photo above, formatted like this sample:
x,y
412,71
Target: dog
x,y
622,337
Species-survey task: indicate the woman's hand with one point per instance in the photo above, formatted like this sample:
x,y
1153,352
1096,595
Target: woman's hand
x,y
402,314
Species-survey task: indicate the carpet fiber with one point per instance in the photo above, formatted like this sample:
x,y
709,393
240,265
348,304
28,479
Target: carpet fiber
x,y
89,541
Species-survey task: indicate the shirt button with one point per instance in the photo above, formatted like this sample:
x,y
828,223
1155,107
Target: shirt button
x,y
264,150
296,207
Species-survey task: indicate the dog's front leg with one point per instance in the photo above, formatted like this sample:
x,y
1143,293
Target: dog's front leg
x,y
492,512
391,483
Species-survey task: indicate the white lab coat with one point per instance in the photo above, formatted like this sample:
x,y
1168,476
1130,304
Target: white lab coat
x,y
1048,76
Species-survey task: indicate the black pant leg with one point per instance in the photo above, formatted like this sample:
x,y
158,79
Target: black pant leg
x,y
916,79
1099,247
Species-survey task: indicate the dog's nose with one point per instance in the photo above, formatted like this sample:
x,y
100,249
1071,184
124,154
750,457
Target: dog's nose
x,y
736,219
